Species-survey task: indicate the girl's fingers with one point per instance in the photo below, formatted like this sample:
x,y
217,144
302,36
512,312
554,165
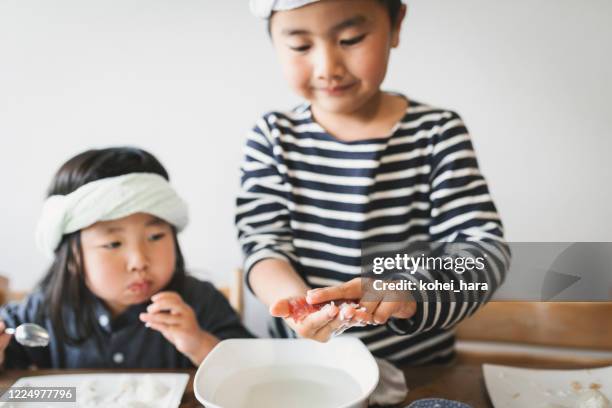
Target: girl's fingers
x,y
171,304
159,327
165,330
4,341
161,318
165,294
4,338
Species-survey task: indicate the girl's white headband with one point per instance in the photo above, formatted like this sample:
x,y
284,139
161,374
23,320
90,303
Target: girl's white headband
x,y
108,199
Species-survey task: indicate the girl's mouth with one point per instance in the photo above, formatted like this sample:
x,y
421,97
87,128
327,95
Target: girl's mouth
x,y
140,287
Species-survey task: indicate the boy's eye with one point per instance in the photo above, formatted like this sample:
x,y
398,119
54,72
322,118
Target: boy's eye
x,y
157,237
301,48
353,41
112,245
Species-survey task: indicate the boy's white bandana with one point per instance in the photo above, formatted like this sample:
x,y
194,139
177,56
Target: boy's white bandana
x,y
108,199
264,8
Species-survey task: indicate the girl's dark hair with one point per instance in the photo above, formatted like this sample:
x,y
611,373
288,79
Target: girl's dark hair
x,y
63,285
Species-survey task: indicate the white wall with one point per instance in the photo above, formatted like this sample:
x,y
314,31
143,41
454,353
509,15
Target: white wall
x,y
186,78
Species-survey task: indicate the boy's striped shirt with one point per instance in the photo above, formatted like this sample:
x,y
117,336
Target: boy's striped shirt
x,y
311,199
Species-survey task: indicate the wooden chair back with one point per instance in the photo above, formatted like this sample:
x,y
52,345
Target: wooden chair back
x,y
234,292
4,289
585,325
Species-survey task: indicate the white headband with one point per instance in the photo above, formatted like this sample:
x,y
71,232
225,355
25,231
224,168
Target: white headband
x,y
108,199
264,8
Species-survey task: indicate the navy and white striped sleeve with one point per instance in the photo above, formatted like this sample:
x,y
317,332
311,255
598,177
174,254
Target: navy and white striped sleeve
x,y
262,213
462,211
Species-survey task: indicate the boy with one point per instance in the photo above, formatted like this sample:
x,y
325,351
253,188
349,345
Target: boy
x,y
356,164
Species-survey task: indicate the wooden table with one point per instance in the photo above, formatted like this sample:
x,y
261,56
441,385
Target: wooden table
x,y
461,381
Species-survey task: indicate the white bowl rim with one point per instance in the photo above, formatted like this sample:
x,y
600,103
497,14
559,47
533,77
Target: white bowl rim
x,y
224,343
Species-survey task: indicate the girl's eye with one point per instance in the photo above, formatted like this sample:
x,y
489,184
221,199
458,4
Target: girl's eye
x,y
301,48
157,237
112,245
353,41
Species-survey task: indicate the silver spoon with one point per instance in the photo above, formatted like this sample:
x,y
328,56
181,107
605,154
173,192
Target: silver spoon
x,y
30,335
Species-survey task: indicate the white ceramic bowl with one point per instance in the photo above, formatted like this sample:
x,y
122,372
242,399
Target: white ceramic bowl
x,y
287,372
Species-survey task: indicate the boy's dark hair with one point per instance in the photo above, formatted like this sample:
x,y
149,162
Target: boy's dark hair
x,y
63,285
393,8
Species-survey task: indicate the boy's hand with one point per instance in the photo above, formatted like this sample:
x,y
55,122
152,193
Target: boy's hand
x,y
176,321
380,309
4,341
320,325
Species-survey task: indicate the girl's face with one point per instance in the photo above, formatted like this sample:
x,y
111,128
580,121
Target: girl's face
x,y
128,260
334,53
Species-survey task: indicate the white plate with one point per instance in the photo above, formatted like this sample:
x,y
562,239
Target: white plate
x,y
287,372
511,387
106,385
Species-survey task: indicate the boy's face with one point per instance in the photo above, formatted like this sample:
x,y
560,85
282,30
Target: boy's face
x,y
334,53
128,260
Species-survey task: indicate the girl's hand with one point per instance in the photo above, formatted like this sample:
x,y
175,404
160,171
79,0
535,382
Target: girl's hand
x,y
320,325
380,309
4,341
176,321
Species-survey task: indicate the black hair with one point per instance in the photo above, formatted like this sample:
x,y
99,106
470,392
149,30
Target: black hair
x,y
63,286
393,9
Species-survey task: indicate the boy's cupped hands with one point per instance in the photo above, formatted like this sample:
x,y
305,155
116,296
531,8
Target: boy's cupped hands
x,y
327,321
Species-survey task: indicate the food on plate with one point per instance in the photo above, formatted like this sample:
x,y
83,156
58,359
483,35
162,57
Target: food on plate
x,y
130,392
589,398
592,398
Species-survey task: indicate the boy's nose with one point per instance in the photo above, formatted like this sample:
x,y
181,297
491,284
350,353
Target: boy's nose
x,y
329,65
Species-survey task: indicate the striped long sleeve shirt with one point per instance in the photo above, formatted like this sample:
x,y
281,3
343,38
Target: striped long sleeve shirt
x,y
311,199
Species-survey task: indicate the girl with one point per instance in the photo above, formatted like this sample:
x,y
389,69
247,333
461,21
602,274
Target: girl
x,y
356,164
116,294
